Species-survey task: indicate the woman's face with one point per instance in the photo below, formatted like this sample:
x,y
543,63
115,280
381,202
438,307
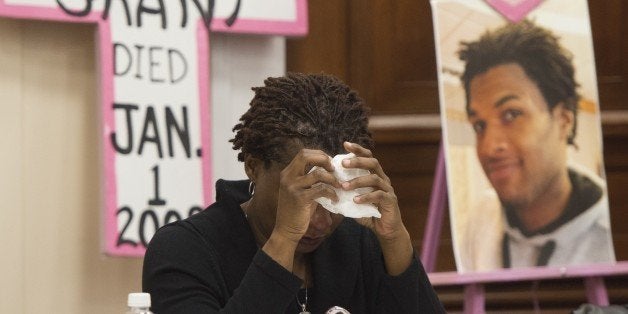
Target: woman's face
x,y
322,223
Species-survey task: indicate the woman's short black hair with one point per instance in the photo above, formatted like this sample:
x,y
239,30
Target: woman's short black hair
x,y
537,51
318,110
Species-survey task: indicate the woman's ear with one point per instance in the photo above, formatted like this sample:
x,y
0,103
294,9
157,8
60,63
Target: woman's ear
x,y
251,167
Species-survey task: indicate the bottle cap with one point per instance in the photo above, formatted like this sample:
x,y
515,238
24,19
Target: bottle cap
x,y
138,299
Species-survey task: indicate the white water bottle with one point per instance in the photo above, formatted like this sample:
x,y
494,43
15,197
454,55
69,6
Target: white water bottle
x,y
139,303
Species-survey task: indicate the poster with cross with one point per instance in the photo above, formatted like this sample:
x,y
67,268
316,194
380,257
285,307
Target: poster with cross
x,y
153,62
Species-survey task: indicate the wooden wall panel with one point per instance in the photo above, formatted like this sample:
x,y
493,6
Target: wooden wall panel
x,y
325,48
610,34
370,45
392,59
52,261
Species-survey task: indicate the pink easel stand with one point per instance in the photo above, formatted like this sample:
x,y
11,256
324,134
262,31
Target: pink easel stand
x,y
436,211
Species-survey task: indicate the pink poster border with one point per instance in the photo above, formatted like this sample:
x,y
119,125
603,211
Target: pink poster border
x,y
298,27
106,91
514,12
593,274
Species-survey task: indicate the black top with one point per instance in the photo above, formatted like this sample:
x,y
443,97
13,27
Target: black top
x,y
210,263
584,194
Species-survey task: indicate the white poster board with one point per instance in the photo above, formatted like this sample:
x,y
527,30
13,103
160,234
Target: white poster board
x,y
482,230
154,68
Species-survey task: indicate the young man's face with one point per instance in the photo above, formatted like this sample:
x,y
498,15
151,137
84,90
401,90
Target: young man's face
x,y
521,145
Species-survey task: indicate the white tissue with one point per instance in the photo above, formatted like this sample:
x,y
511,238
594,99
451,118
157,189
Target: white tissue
x,y
345,205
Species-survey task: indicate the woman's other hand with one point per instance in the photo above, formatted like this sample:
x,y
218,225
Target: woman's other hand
x,y
298,189
296,205
383,195
389,229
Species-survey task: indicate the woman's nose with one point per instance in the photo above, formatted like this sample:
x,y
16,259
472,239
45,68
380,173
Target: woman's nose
x,y
321,218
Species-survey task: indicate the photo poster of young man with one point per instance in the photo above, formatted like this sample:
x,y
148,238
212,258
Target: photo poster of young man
x,y
522,134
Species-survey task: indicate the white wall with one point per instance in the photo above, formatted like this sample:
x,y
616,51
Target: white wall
x,y
50,183
237,63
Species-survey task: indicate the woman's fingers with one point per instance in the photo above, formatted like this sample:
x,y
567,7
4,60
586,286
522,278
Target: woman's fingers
x,y
301,173
320,175
306,159
371,180
377,197
310,174
357,149
322,190
364,160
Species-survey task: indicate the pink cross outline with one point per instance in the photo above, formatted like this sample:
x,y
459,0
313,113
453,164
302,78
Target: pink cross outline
x,y
106,89
516,12
106,79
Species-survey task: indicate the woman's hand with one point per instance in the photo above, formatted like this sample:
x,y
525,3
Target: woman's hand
x,y
298,189
383,195
389,229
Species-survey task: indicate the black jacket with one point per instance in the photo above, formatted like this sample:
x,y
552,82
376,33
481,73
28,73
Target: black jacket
x,y
210,263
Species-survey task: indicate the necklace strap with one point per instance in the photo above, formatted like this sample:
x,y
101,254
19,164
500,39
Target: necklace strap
x,y
304,304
